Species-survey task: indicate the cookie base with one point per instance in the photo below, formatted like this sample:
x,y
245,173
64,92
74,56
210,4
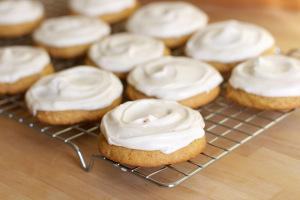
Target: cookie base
x,y
17,30
120,16
193,102
260,102
66,52
74,116
142,158
176,42
113,18
23,84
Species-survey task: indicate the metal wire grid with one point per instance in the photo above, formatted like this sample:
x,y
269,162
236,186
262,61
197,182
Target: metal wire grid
x,y
227,127
13,107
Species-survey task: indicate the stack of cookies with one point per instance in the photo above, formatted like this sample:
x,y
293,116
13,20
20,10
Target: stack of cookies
x,y
160,124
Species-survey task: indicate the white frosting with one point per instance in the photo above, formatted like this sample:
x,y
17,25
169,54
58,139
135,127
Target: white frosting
x,y
229,41
20,11
100,7
167,19
174,78
78,88
151,125
121,52
270,76
71,31
17,62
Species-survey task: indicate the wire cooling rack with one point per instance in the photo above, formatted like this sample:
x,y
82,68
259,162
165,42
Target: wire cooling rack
x,y
227,125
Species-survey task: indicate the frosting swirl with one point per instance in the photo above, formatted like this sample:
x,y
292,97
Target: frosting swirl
x,y
17,62
121,52
270,76
71,31
229,41
174,78
167,20
20,11
78,88
152,125
96,7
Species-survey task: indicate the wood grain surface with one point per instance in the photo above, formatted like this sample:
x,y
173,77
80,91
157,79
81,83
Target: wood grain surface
x,y
33,167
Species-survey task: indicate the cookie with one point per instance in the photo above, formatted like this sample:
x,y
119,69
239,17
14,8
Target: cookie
x,y
19,17
187,81
78,94
21,67
70,36
228,43
150,133
171,22
110,11
272,83
120,53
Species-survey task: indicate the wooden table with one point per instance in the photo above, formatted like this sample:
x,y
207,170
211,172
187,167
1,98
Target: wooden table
x,y
266,168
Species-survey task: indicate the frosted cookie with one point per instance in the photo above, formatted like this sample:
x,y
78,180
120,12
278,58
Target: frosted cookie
x,y
111,11
271,82
22,66
151,133
190,82
119,53
172,22
74,95
225,44
70,36
19,17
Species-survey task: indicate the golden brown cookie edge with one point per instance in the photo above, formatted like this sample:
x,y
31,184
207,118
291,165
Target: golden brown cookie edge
x,y
70,117
260,102
142,158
